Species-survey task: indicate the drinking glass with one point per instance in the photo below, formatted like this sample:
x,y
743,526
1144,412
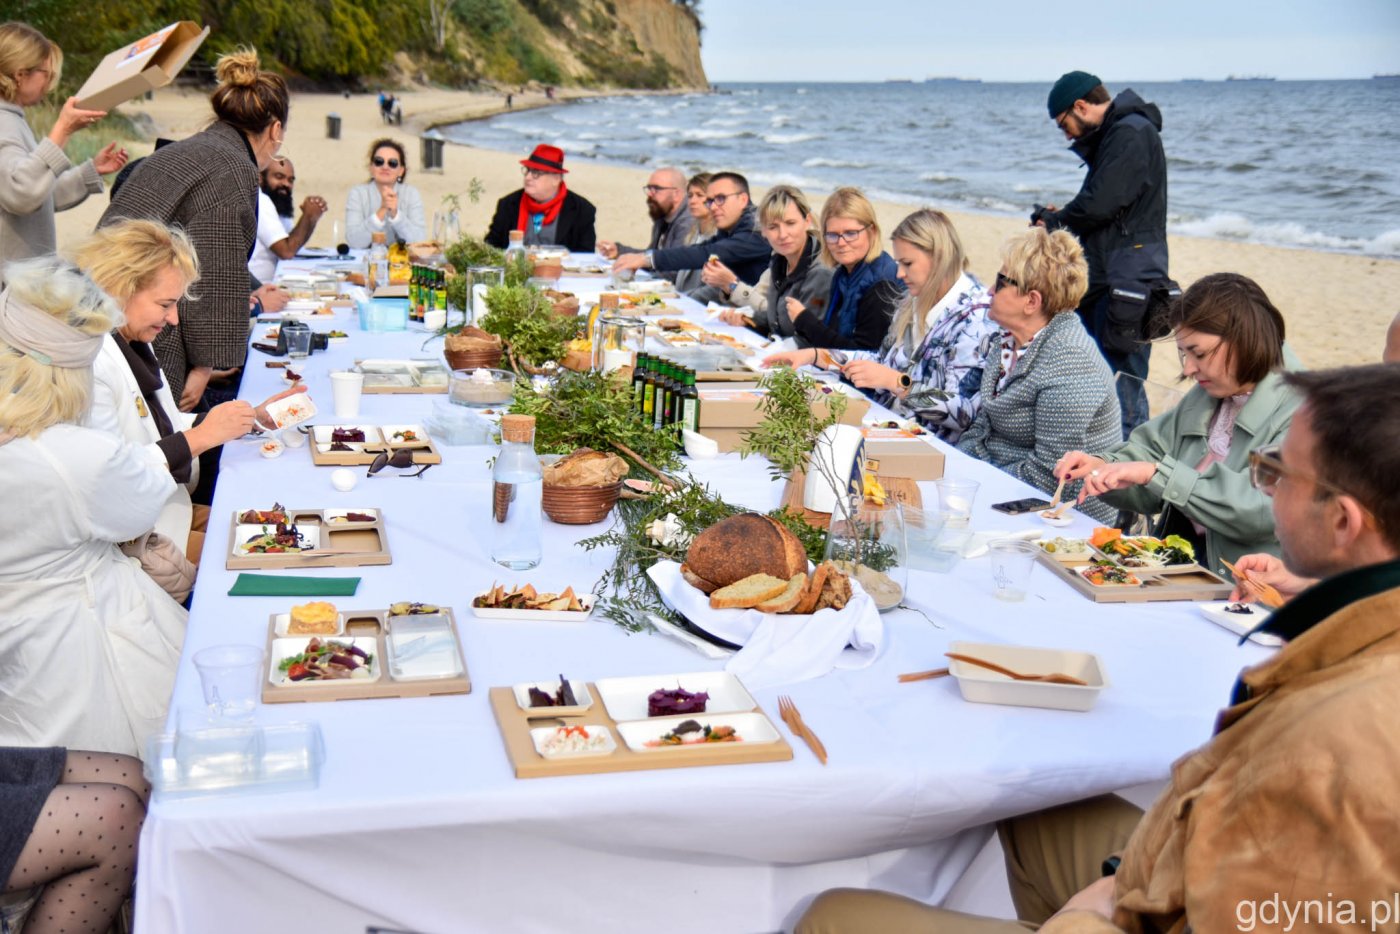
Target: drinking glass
x,y
868,542
1011,562
229,675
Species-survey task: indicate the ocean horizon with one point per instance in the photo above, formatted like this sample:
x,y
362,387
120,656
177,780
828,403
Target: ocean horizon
x,y
1305,164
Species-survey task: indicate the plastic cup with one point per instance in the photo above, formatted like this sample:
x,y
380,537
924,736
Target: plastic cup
x,y
922,528
955,499
346,388
230,675
298,340
1011,568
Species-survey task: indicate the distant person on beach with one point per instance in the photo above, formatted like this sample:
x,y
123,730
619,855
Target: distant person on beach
x,y
385,204
671,222
510,101
207,185
1392,342
36,178
931,363
544,207
1120,216
736,243
796,269
866,286
278,238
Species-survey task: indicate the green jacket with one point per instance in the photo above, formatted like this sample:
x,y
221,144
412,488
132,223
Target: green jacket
x,y
1238,518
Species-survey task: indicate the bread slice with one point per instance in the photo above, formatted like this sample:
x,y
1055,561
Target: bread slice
x,y
748,592
836,592
788,598
808,603
698,582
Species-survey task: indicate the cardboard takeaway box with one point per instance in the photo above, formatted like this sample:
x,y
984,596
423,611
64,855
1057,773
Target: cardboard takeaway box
x,y
727,411
144,65
895,452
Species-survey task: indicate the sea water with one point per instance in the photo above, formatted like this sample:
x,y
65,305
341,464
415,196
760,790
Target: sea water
x,y
1293,163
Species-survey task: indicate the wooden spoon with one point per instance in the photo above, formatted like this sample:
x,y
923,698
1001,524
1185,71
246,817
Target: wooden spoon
x,y
1054,678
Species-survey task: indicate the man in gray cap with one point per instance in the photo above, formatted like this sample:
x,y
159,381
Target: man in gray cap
x,y
1120,216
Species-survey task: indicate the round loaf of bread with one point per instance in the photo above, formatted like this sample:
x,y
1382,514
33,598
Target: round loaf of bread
x,y
734,548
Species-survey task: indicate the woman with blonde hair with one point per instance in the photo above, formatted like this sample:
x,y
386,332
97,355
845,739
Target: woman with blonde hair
x,y
36,178
930,365
1048,390
89,643
688,280
865,287
148,268
785,220
208,186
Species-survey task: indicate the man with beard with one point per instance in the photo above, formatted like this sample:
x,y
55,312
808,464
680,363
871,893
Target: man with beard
x,y
278,238
671,221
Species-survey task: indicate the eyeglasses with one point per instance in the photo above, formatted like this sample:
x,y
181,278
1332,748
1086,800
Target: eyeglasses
x,y
400,459
844,236
535,173
656,189
380,162
1266,469
1061,120
717,201
1003,280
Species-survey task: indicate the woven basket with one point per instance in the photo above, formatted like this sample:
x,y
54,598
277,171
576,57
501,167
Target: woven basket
x,y
473,359
580,505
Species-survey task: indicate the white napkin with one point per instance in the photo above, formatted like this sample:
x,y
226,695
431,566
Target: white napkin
x,y
781,649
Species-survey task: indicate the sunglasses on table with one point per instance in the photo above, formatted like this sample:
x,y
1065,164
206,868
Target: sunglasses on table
x,y
400,459
834,237
380,162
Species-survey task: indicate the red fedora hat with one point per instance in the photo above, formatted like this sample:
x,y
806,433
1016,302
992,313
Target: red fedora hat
x,y
546,158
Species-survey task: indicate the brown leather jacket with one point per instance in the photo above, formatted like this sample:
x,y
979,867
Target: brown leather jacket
x,y
1289,818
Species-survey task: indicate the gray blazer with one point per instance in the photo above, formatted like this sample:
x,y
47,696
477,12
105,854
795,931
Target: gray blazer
x,y
1059,398
208,185
361,205
36,179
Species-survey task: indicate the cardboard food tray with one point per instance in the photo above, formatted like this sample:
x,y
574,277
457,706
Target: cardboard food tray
x,y
364,624
897,490
1186,582
527,763
357,544
424,452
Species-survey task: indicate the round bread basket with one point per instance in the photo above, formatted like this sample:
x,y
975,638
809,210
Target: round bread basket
x,y
580,505
473,359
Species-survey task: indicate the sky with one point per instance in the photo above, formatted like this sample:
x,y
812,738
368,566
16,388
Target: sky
x,y
1037,40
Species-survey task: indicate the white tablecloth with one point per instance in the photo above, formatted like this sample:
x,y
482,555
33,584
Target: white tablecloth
x,y
419,824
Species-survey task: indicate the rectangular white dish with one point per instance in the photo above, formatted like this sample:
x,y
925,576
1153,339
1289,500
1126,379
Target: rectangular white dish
x,y
626,698
752,727
982,686
1241,623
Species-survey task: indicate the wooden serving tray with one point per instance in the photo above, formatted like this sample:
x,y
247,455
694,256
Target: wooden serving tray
x,y
363,623
1183,582
348,545
515,732
424,452
897,489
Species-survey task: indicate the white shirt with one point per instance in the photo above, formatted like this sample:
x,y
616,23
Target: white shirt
x,y
263,263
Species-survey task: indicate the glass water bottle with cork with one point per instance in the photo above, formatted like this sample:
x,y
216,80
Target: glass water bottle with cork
x,y
517,491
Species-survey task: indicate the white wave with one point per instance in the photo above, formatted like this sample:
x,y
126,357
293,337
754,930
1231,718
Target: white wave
x,y
1026,188
787,139
818,162
663,142
780,120
1231,226
938,177
656,129
768,108
800,91
739,111
703,134
787,178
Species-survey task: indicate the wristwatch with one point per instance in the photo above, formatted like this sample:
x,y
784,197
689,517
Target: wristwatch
x,y
905,382
732,286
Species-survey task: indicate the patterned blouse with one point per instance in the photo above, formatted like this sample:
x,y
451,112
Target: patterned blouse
x,y
946,368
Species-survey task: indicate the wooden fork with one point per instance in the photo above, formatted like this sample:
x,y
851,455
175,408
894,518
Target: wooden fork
x,y
1266,594
793,719
1055,678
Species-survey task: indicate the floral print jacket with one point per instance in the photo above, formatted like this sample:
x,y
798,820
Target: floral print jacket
x,y
946,367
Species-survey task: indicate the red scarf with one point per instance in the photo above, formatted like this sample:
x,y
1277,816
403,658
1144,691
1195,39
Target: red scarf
x,y
550,208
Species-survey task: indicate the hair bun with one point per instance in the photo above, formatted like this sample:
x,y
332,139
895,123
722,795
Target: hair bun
x,y
239,68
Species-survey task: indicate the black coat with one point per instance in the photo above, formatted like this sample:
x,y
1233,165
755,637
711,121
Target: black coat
x,y
741,248
1120,213
575,222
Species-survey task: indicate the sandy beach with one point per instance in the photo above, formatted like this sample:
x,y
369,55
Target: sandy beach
x,y
1336,305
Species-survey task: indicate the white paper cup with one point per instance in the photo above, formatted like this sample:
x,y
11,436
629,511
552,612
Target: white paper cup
x,y
435,320
345,390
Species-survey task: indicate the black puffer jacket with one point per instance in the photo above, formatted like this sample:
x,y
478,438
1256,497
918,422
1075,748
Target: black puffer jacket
x,y
1120,213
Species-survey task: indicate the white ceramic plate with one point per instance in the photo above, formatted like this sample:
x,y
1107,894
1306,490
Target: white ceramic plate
x,y
310,538
1241,623
541,734
387,433
626,698
293,410
295,645
753,728
540,616
324,433
982,686
581,694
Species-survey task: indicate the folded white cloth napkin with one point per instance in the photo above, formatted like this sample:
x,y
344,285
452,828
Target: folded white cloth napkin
x,y
780,649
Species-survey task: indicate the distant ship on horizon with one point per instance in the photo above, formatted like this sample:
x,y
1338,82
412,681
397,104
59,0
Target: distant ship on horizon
x,y
949,79
1250,78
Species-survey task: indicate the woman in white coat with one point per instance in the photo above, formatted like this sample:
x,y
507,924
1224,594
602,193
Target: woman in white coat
x,y
88,643
148,268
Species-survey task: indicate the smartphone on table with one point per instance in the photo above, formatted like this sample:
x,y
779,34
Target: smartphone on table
x,y
1018,506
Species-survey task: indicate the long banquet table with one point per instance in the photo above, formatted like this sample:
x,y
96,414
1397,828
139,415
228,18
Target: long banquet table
x,y
419,824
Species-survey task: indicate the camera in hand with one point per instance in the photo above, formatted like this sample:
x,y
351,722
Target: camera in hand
x,y
1038,212
342,249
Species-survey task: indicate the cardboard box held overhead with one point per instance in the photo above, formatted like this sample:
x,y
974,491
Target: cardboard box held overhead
x,y
144,65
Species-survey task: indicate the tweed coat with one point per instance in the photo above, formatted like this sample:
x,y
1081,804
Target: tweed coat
x,y
207,185
1058,398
